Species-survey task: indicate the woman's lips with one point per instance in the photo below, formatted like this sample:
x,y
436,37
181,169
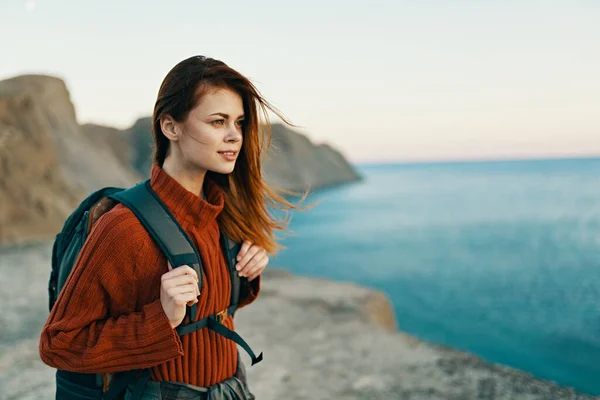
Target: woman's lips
x,y
228,155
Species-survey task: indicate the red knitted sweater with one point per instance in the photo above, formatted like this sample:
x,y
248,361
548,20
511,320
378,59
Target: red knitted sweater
x,y
109,318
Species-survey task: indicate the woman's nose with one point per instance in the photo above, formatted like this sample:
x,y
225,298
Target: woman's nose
x,y
234,134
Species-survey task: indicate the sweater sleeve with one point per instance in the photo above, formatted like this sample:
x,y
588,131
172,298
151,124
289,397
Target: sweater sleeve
x,y
83,332
249,291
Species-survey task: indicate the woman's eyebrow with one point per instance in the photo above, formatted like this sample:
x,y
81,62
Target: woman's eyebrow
x,y
225,115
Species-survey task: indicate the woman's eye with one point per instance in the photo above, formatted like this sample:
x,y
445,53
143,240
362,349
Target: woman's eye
x,y
219,122
241,122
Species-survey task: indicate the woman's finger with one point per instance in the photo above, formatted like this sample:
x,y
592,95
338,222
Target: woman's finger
x,y
180,271
255,263
245,246
253,251
176,290
179,281
185,298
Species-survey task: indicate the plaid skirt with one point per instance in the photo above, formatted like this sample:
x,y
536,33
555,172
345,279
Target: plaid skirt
x,y
234,388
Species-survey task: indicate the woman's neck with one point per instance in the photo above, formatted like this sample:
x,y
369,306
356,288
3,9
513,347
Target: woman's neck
x,y
191,179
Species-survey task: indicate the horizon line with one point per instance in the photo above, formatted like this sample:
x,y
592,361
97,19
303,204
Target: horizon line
x,y
508,159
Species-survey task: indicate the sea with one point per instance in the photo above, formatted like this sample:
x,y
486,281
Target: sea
x,y
498,258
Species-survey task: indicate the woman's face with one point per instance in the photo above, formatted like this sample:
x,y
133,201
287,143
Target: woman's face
x,y
210,138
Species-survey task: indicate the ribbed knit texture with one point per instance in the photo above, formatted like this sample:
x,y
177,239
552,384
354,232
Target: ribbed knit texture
x,y
109,318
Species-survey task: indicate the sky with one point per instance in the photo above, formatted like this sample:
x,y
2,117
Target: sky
x,y
382,81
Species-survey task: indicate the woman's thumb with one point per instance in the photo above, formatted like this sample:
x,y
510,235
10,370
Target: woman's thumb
x,y
170,266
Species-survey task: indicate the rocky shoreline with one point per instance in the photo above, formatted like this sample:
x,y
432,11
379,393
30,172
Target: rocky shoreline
x,y
321,340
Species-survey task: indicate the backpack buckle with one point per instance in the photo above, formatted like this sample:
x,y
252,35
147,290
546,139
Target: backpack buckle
x,y
221,316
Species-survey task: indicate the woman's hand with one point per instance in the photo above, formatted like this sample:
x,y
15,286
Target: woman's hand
x,y
178,288
252,260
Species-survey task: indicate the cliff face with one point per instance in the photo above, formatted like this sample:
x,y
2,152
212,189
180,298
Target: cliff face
x,y
295,163
141,145
34,193
110,139
46,165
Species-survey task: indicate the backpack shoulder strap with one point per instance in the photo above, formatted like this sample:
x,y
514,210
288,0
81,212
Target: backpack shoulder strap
x,y
230,251
163,228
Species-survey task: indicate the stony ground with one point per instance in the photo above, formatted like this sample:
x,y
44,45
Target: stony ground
x,y
321,340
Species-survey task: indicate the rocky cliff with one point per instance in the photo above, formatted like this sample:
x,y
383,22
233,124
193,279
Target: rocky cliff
x,y
46,164
109,139
295,163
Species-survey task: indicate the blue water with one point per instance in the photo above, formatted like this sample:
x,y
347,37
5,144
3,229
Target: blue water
x,y
498,258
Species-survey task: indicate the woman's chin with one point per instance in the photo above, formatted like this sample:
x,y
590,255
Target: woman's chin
x,y
224,169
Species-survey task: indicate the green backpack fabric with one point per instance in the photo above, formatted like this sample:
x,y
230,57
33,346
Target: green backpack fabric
x,y
177,248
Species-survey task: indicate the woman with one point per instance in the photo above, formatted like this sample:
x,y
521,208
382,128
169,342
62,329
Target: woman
x,y
119,312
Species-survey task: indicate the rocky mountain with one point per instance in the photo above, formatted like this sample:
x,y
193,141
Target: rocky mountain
x,y
295,163
110,139
46,164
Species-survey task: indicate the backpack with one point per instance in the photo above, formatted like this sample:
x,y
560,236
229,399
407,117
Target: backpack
x,y
177,248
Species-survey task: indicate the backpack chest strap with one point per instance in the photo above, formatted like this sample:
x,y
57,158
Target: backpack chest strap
x,y
215,323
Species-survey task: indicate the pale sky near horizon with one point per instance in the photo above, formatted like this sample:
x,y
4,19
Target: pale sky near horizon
x,y
379,80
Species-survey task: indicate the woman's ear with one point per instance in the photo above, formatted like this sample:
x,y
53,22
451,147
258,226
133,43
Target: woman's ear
x,y
169,127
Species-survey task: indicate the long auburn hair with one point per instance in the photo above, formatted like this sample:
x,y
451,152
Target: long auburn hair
x,y
245,215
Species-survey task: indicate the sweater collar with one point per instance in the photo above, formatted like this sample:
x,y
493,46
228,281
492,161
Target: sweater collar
x,y
187,207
